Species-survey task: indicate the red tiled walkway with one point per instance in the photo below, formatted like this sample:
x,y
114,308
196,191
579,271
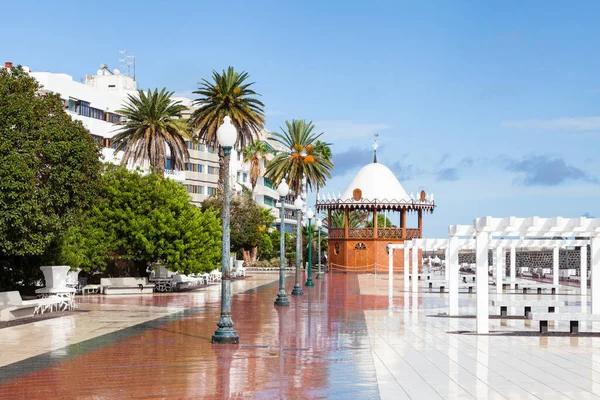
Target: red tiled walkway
x,y
318,347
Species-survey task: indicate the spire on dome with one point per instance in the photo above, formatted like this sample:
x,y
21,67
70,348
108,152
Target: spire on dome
x,y
375,146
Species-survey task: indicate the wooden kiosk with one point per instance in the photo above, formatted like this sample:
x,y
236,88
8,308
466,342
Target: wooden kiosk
x,y
374,189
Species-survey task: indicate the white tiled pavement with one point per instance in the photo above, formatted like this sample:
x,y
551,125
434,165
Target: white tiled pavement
x,y
417,358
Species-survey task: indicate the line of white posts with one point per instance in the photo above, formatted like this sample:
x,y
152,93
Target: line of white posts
x,y
526,233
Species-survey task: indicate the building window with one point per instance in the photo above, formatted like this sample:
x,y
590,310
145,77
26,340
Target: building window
x,y
97,114
84,108
113,118
98,140
268,183
201,147
213,170
360,246
72,105
245,177
168,164
271,202
211,190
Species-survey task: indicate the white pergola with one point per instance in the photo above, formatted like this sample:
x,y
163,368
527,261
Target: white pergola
x,y
532,229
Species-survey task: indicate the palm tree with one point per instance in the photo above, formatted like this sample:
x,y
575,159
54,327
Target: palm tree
x,y
254,153
324,150
300,160
153,122
356,219
229,93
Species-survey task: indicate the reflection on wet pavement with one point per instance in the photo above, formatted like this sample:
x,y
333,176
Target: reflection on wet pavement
x,y
345,338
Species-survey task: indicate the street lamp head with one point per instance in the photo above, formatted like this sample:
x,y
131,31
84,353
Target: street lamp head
x,y
227,134
319,223
283,189
298,203
310,214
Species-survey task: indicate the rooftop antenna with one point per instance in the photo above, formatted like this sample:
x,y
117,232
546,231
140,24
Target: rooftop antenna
x,y
128,63
375,146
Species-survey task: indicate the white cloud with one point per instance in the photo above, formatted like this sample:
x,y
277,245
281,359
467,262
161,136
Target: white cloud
x,y
562,124
344,129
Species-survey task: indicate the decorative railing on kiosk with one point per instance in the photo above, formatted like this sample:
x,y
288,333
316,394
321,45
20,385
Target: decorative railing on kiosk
x,y
365,233
336,233
413,233
389,233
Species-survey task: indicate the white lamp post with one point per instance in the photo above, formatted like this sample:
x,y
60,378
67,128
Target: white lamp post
x,y
298,205
282,300
225,334
319,224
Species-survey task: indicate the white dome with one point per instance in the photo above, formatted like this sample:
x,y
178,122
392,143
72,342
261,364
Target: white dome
x,y
376,183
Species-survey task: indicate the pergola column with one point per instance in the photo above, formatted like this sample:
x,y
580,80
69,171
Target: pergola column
x,y
415,269
452,269
482,242
595,278
583,270
513,266
420,214
499,269
391,269
406,266
555,259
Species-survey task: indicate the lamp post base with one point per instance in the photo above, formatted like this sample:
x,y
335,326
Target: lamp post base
x,y
297,291
319,275
309,283
282,300
226,336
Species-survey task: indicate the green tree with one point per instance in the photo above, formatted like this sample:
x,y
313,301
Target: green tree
x,y
49,167
254,153
356,219
144,219
229,93
382,221
153,124
300,160
249,222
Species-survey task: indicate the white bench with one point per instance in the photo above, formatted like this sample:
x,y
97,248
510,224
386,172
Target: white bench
x,y
428,276
12,306
540,287
573,318
443,284
527,305
125,286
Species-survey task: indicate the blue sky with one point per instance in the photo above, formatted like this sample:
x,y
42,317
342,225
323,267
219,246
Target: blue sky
x,y
495,108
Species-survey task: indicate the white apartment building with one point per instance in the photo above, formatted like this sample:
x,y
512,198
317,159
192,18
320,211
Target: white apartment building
x,y
95,102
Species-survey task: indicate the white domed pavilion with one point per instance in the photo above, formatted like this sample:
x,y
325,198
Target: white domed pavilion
x,y
374,189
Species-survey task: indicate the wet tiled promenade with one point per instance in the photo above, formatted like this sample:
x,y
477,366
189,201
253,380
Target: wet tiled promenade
x,y
345,338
